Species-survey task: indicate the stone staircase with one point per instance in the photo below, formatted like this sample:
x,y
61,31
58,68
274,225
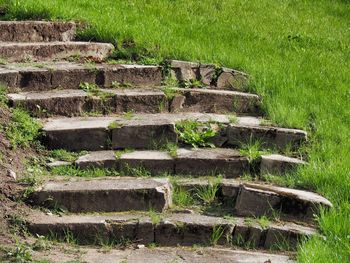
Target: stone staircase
x,y
127,120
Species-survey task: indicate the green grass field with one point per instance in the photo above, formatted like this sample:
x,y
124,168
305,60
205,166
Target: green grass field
x,y
297,53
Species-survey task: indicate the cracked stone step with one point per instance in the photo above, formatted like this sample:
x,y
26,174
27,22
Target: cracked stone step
x,y
165,254
45,76
105,195
279,164
36,31
255,200
48,51
73,102
170,230
150,131
197,162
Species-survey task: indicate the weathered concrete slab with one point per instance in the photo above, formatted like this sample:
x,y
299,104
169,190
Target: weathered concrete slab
x,y
36,31
78,134
143,134
227,162
106,195
42,51
217,101
279,164
268,136
171,230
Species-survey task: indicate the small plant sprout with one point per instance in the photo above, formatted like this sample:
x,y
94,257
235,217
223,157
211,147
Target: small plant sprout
x,y
233,118
207,193
156,217
252,150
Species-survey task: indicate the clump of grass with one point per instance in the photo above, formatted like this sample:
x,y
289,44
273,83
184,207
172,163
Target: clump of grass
x,y
252,150
181,197
169,92
71,170
194,133
192,84
155,217
263,221
114,125
171,148
129,115
233,119
208,193
217,233
94,90
3,98
118,154
22,129
21,252
64,155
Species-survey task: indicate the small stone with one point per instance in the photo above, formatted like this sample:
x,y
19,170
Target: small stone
x,y
177,103
11,174
140,246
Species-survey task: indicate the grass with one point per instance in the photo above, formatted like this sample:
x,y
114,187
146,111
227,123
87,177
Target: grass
x,y
296,52
22,129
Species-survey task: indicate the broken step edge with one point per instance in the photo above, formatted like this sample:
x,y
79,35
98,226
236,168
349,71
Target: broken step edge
x,y
173,230
256,200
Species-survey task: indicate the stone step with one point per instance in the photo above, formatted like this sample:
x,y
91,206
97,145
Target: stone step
x,y
105,195
150,131
258,199
69,75
203,161
196,162
73,102
36,31
50,51
163,254
169,230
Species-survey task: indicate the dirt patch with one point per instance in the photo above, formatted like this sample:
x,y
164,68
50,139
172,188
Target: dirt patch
x,y
11,161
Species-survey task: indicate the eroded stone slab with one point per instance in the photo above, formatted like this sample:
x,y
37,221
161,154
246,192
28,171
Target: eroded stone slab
x,y
232,80
106,195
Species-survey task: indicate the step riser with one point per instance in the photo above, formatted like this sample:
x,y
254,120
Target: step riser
x,y
70,77
157,102
54,51
172,233
36,31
